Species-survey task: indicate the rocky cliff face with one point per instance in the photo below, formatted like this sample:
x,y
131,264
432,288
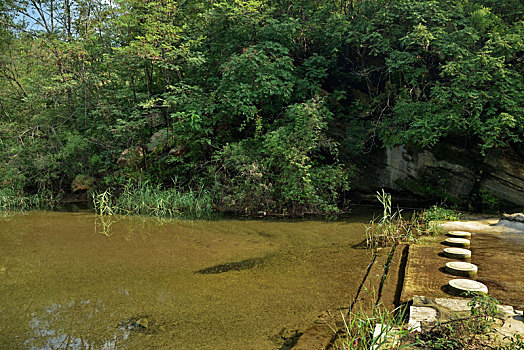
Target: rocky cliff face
x,y
450,173
503,176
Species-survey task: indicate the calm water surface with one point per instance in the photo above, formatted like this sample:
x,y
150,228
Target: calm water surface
x,y
70,280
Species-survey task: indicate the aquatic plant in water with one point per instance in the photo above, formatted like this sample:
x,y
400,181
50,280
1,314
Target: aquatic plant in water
x,y
392,228
146,199
13,200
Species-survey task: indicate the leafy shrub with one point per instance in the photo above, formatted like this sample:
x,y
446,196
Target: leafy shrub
x,y
438,213
472,332
488,201
281,172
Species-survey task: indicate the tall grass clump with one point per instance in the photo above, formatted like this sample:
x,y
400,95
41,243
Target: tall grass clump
x,y
143,198
13,200
360,331
390,229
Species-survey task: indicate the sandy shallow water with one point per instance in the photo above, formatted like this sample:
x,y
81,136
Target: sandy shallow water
x,y
69,280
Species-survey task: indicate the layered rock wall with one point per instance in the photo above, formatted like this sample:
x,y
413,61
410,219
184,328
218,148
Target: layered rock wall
x,y
448,172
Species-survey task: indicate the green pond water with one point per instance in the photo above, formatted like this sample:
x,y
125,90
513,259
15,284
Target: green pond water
x,y
70,280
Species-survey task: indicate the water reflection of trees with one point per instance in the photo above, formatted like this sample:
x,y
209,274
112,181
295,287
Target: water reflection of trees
x,y
74,325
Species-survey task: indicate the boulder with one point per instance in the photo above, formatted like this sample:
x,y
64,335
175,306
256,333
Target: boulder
x,y
82,183
517,217
130,157
178,151
514,222
158,141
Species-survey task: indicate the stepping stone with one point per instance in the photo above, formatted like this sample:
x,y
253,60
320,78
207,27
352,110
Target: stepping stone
x,y
461,268
457,242
419,316
462,286
457,253
459,234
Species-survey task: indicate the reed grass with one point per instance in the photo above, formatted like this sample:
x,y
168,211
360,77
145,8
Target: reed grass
x,y
13,200
359,329
392,228
143,198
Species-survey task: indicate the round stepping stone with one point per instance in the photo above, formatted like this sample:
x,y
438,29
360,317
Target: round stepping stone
x,y
457,242
461,268
462,286
457,253
459,234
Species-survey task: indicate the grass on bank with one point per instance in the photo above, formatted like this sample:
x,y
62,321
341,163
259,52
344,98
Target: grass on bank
x,y
143,198
476,331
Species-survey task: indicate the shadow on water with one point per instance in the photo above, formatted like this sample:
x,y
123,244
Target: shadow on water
x,y
362,245
233,266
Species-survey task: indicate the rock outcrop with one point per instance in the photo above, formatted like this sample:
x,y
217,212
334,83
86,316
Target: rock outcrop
x,y
130,157
82,183
512,221
448,172
503,176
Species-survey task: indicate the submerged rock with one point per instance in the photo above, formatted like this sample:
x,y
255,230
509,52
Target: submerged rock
x,y
139,324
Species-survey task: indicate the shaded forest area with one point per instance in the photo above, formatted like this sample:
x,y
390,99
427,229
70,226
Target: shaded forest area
x,y
258,105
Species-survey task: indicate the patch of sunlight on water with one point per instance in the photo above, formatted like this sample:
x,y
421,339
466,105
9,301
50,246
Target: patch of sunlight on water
x,y
70,280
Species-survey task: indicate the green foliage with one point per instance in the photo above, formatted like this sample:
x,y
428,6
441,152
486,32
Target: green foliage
x,y
515,342
449,69
474,331
438,213
257,82
488,201
281,170
483,310
260,102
